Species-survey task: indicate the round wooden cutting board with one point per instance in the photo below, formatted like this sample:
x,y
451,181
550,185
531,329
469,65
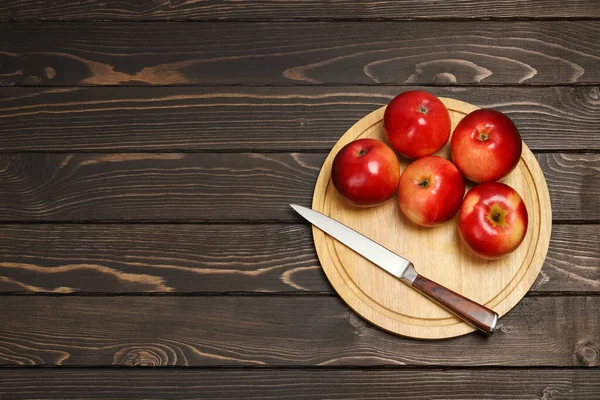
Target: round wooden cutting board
x,y
437,253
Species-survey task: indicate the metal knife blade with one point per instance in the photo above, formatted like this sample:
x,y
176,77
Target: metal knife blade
x,y
396,265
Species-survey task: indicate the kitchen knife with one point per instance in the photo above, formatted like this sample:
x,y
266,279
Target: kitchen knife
x,y
475,314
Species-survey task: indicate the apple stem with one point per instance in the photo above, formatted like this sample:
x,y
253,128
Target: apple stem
x,y
362,152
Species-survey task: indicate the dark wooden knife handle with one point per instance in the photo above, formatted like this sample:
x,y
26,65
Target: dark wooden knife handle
x,y
477,315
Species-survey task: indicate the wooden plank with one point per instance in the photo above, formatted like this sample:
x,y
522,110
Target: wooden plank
x,y
573,184
204,258
491,53
183,384
214,187
572,257
47,10
262,118
277,330
159,258
163,186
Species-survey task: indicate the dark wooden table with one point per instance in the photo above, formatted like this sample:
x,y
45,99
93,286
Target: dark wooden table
x,y
149,151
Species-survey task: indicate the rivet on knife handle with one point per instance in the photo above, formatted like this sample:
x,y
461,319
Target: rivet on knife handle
x,y
477,315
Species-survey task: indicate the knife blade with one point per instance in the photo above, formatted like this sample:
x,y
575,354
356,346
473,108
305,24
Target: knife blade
x,y
468,310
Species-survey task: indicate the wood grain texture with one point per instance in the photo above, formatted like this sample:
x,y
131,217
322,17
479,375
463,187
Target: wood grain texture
x,y
159,258
277,331
214,187
574,180
490,53
572,257
263,118
48,10
497,285
417,384
220,259
164,186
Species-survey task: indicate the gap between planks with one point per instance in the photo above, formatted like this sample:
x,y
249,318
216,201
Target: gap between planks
x,y
317,85
431,367
245,294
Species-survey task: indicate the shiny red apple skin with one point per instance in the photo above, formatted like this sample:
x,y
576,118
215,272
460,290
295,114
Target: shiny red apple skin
x,y
366,172
486,146
431,190
492,220
417,124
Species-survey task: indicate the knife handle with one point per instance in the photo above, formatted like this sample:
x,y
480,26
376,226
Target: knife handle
x,y
475,314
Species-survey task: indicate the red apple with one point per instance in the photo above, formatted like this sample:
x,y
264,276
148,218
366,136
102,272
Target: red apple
x,y
492,220
366,172
430,192
486,146
417,124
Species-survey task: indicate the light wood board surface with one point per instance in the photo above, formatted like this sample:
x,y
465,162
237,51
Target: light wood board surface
x,y
437,253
